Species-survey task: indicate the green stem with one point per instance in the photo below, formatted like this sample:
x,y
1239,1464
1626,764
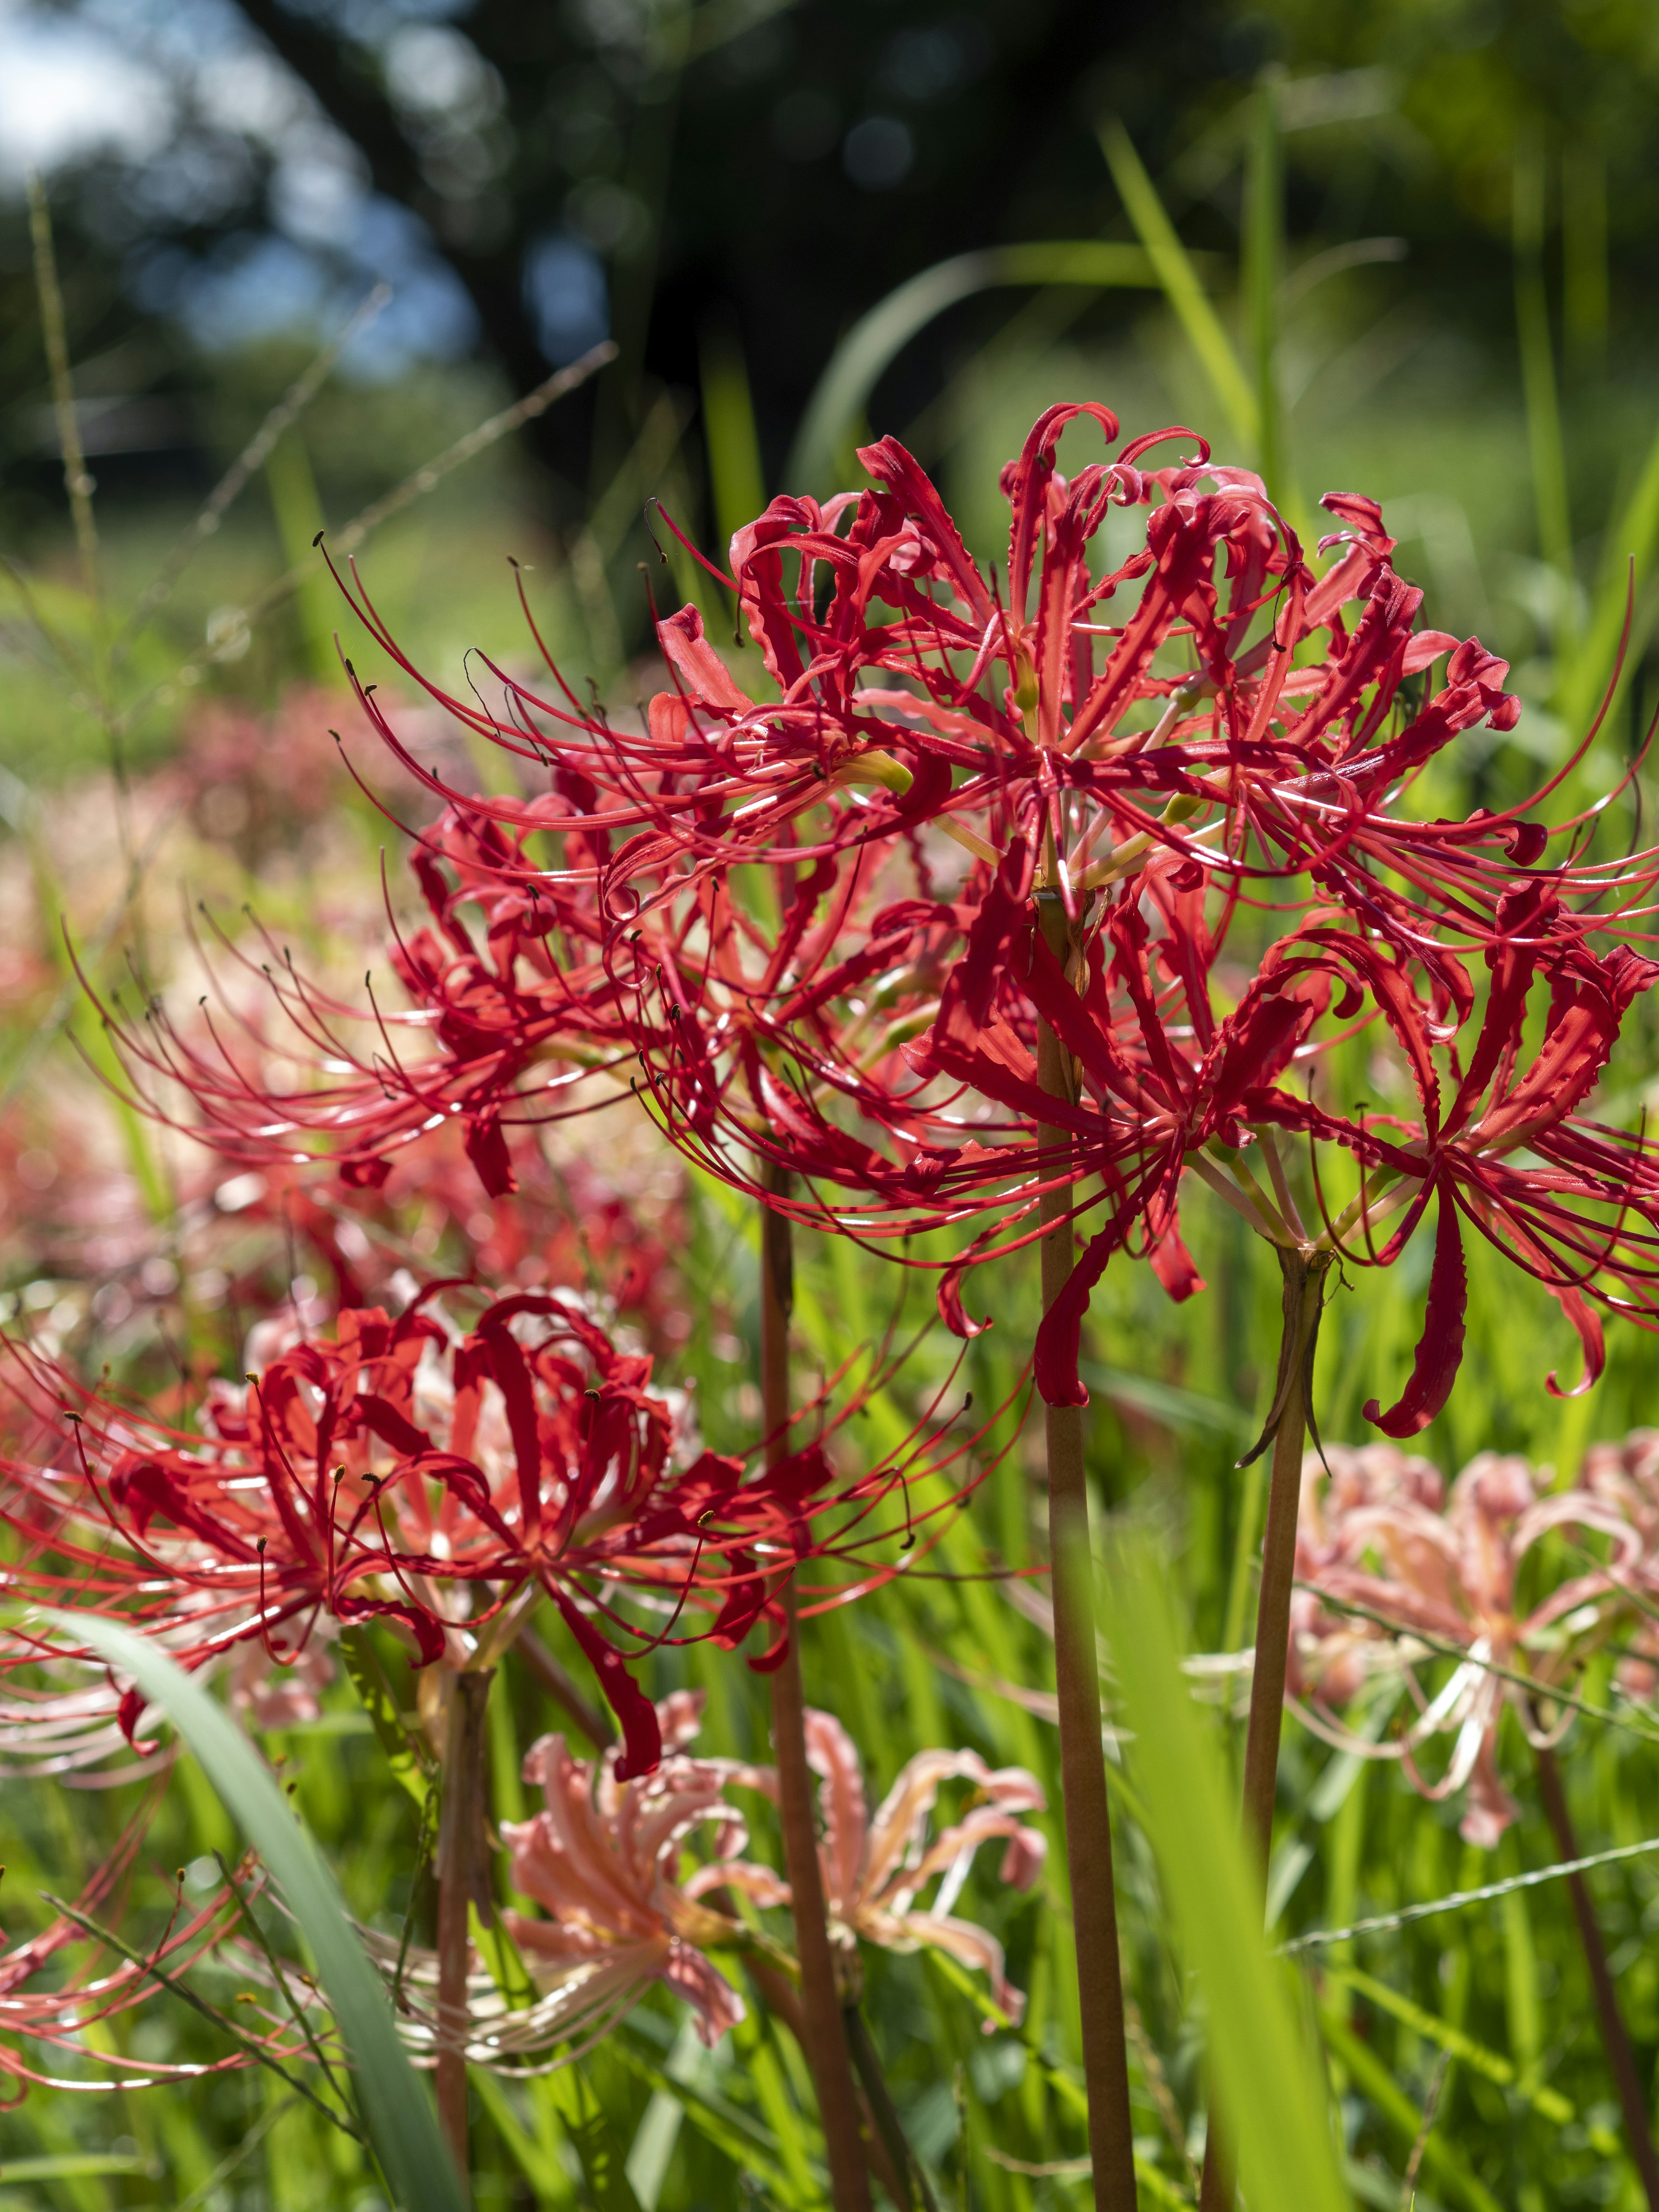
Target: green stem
x,y
906,2167
1305,1272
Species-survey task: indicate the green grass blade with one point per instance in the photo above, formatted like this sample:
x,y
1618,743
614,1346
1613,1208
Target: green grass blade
x,y
604,2159
1631,542
402,2120
1267,2086
1544,439
737,480
1178,275
1261,277
77,2166
876,339
1445,2165
1549,2102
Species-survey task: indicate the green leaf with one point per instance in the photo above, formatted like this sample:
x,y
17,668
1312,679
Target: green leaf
x,y
604,2159
737,481
76,2166
1448,2166
1167,1402
1265,2078
409,1758
1631,544
750,2147
402,2121
839,399
1429,2026
1178,275
537,2159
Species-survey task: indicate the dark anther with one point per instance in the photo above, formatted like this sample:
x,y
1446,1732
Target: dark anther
x,y
318,540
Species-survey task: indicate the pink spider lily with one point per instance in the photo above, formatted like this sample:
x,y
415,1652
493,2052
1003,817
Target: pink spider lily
x,y
442,1479
1379,1534
605,1861
876,1866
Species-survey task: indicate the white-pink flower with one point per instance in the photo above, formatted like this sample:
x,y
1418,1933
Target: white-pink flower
x,y
603,1859
1374,1535
875,1869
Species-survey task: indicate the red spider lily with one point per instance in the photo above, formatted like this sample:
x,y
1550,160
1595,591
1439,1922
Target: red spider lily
x,y
41,2004
920,671
1168,1082
480,1021
444,1480
1378,1533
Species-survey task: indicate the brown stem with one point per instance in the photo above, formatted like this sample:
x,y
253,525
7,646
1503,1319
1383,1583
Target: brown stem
x,y
1615,2040
1304,1279
1076,1679
826,2039
463,1878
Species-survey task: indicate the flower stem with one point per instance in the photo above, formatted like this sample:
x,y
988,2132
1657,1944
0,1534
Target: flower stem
x,y
1615,2039
463,1878
826,2037
1082,1764
1304,1275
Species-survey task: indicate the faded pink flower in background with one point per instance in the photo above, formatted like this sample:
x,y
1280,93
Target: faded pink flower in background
x,y
602,1860
1379,1531
875,1867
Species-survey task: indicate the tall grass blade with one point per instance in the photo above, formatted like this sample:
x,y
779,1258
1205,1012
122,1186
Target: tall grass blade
x,y
298,509
1584,287
77,482
1263,2076
737,480
1177,273
1631,544
1544,439
821,447
1261,277
402,2122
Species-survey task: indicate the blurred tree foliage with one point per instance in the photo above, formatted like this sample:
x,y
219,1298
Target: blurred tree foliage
x,y
684,171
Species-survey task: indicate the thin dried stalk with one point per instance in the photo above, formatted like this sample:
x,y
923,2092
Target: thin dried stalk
x,y
288,409
1083,1768
426,479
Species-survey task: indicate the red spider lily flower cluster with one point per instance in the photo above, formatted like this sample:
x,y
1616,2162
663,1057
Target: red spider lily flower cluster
x,y
444,1479
1431,1571
745,906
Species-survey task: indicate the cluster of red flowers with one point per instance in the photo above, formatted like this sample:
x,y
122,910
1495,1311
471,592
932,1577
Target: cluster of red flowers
x,y
807,926
443,1478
